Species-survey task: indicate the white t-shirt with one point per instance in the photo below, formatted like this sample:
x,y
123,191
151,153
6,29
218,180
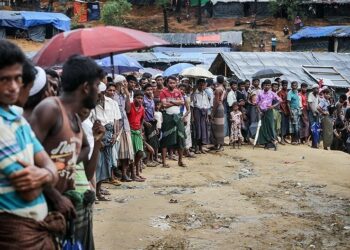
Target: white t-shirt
x,y
87,127
159,118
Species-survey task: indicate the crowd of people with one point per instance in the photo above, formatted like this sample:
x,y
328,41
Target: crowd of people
x,y
63,135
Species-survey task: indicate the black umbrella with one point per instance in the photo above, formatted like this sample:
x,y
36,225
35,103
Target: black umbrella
x,y
267,73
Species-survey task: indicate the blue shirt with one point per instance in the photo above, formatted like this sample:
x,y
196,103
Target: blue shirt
x,y
17,141
294,99
148,104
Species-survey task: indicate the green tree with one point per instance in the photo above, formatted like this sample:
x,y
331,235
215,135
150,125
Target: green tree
x,y
291,8
113,12
164,4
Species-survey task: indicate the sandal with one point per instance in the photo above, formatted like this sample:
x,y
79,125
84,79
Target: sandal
x,y
143,178
166,166
127,179
138,179
105,192
115,182
102,198
173,201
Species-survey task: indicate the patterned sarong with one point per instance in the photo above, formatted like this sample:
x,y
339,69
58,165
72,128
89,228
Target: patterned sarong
x,y
173,132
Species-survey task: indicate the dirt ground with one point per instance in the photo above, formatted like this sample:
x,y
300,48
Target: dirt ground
x,y
295,198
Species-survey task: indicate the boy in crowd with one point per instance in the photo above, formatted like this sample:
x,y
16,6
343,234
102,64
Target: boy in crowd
x,y
150,123
136,116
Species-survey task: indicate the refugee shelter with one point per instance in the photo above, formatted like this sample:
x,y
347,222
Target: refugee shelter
x,y
230,39
309,67
327,8
32,25
240,8
327,38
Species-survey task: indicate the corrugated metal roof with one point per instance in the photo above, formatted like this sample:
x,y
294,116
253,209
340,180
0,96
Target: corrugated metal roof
x,y
245,64
173,57
229,37
317,32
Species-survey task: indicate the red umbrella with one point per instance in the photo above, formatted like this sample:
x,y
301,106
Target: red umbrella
x,y
94,42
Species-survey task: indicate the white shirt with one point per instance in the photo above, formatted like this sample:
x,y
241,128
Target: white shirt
x,y
87,127
313,102
159,118
108,114
200,100
231,98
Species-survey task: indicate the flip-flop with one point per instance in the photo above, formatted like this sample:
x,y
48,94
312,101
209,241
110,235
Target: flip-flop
x,y
173,201
105,192
102,198
126,180
115,183
165,166
143,178
138,180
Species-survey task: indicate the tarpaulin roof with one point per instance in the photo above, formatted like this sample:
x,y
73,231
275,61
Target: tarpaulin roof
x,y
245,64
227,37
192,49
317,32
27,19
172,57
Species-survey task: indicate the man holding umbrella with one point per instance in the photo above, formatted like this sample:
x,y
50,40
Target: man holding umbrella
x,y
267,135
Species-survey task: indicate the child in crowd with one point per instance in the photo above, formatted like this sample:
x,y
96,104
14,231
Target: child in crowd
x,y
136,116
236,125
159,118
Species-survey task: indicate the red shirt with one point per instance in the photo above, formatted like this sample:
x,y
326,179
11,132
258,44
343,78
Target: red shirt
x,y
284,103
303,100
170,96
135,117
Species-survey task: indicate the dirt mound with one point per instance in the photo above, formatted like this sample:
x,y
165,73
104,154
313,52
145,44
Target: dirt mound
x,y
169,242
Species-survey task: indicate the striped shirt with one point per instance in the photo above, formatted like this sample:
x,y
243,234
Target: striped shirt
x,y
17,141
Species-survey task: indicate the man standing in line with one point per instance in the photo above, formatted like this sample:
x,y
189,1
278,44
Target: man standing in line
x,y
201,106
267,135
294,107
58,127
25,168
304,121
285,113
173,128
314,116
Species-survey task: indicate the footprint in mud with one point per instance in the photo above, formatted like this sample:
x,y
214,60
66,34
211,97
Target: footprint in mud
x,y
169,242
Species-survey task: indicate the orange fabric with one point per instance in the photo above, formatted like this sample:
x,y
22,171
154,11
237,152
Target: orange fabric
x,y
208,38
80,9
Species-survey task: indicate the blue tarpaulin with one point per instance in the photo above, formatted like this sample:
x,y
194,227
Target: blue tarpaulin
x,y
27,19
317,32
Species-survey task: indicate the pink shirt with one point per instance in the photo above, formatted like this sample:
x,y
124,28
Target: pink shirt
x,y
265,99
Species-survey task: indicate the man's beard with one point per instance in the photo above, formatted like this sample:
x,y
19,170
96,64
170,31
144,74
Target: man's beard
x,y
89,102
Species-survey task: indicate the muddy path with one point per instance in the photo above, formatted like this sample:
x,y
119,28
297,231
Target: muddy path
x,y
296,198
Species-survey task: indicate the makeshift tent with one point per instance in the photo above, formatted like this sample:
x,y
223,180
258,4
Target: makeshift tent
x,y
81,11
328,38
36,25
93,11
327,8
240,8
165,60
243,65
